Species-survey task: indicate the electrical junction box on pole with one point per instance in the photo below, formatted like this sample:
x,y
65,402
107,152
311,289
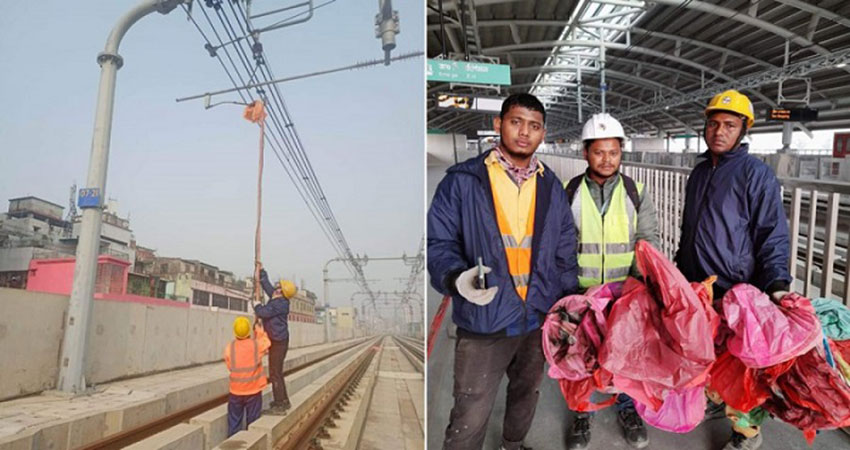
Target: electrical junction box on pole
x,y
792,114
89,198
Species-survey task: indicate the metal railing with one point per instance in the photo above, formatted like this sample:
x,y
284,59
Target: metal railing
x,y
810,164
819,264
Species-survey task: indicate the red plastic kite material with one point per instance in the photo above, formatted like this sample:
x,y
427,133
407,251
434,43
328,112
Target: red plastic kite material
x,y
577,393
665,325
737,384
814,397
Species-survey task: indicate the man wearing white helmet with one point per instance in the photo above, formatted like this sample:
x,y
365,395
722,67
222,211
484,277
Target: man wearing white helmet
x,y
611,212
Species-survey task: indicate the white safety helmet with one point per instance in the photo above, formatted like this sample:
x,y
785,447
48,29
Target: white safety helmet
x,y
602,126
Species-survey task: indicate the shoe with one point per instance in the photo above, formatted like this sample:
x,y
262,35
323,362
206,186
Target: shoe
x,y
579,437
740,442
634,430
521,447
277,408
277,411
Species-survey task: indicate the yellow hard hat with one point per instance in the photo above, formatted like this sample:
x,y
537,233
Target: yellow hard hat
x,y
242,327
287,288
734,102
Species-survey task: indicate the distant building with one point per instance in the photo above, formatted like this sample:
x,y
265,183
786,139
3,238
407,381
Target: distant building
x,y
116,237
31,229
37,209
302,307
345,316
34,237
140,280
201,284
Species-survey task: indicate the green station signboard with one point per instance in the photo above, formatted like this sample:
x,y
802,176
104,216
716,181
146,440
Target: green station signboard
x,y
468,72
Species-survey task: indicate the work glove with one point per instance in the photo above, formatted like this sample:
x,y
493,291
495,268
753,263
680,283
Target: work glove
x,y
467,287
777,296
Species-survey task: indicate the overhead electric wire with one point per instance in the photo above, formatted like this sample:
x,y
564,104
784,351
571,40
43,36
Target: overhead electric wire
x,y
246,63
298,146
274,139
290,154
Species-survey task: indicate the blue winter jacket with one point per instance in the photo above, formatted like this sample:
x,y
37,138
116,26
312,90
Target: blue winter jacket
x,y
462,226
274,313
734,224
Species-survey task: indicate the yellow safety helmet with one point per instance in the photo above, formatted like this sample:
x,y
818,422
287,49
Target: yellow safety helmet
x,y
242,327
287,288
734,102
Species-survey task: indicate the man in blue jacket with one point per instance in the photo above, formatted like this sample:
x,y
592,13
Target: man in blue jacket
x,y
734,225
275,315
503,214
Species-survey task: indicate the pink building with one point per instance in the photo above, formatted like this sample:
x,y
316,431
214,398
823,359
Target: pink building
x,y
57,275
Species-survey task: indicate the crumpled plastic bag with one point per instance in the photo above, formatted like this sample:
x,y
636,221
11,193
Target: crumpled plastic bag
x,y
737,384
834,318
680,412
664,325
814,397
766,334
578,393
574,330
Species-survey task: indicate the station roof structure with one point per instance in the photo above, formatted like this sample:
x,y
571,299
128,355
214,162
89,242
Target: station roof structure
x,y
654,65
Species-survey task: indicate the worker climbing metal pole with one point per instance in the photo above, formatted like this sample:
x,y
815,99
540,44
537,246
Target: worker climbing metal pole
x,y
72,357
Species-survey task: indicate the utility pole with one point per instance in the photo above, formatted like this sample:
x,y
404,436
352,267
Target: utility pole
x,y
72,358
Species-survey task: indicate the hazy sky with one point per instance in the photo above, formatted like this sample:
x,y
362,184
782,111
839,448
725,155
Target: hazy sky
x,y
187,176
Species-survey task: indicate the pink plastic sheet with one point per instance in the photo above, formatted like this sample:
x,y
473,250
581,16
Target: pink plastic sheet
x,y
766,334
577,361
681,411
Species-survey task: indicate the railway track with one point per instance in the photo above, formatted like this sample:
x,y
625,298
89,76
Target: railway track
x,y
322,417
414,350
134,435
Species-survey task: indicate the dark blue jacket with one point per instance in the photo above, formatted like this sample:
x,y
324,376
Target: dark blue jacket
x,y
274,313
734,224
462,226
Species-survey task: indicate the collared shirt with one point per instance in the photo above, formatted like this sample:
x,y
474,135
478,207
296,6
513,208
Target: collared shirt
x,y
517,174
515,200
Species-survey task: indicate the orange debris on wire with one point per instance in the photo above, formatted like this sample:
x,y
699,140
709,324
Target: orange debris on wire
x,y
255,112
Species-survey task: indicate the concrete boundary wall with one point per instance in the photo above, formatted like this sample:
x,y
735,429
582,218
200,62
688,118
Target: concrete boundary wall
x,y
126,339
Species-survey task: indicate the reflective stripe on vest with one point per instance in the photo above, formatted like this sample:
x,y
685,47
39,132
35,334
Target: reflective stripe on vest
x,y
517,254
606,247
247,371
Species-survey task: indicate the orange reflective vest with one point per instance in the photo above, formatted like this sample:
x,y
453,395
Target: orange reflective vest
x,y
517,245
244,359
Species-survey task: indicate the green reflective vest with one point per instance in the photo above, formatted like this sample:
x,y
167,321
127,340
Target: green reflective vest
x,y
606,245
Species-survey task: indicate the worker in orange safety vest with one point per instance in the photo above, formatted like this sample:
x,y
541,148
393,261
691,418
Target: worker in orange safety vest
x,y
244,359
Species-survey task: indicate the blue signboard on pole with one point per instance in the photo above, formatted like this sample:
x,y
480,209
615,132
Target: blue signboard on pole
x,y
89,198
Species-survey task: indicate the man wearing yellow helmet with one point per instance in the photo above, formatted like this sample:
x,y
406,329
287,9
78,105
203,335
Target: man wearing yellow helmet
x,y
733,223
275,320
244,359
